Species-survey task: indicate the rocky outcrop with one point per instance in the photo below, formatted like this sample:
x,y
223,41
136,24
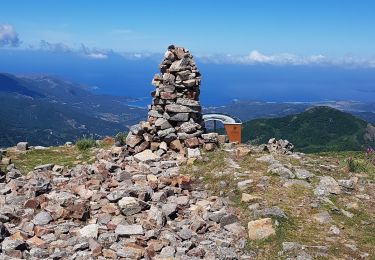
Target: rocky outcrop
x,y
279,146
174,120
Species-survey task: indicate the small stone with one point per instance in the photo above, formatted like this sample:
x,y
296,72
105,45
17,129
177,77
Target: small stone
x,y
44,167
132,140
347,213
36,241
176,145
248,198
241,151
193,153
42,218
236,229
89,231
243,185
303,174
281,171
146,156
58,168
192,142
169,209
129,206
95,247
334,230
228,219
348,184
274,212
185,233
209,147
8,245
167,252
163,146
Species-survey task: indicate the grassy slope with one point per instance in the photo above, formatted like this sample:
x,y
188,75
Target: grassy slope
x,y
64,156
315,130
294,201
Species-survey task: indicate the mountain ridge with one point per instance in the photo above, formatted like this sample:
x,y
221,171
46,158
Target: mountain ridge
x,y
314,130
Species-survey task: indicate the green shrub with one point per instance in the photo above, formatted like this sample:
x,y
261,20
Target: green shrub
x,y
121,137
85,143
353,165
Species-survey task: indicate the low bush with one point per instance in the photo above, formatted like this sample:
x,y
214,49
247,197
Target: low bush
x,y
85,143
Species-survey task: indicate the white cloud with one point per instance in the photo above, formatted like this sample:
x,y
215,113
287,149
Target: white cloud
x,y
256,57
8,36
54,47
93,53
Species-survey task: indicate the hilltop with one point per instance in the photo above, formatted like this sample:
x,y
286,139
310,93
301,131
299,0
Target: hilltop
x,y
237,202
314,130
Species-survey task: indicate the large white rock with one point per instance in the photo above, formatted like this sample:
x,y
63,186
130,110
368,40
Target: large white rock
x,y
327,186
260,229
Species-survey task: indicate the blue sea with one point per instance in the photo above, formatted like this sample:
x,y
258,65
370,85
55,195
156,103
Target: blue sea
x,y
221,83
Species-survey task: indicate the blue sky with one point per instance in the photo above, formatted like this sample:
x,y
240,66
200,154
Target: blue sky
x,y
335,28
297,50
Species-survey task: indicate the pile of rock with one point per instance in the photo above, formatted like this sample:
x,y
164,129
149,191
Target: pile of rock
x,y
114,208
174,117
279,146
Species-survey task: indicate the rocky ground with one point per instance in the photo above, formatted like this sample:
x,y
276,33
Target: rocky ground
x,y
237,202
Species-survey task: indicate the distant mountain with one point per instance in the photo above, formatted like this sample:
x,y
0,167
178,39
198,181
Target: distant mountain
x,y
48,111
316,129
249,109
10,84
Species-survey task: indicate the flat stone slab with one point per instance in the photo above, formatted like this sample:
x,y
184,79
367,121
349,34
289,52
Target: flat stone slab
x,y
128,230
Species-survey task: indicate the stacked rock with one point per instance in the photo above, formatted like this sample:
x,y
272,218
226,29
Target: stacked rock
x,y
174,117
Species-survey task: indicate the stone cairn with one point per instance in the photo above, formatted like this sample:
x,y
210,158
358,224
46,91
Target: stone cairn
x,y
174,118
